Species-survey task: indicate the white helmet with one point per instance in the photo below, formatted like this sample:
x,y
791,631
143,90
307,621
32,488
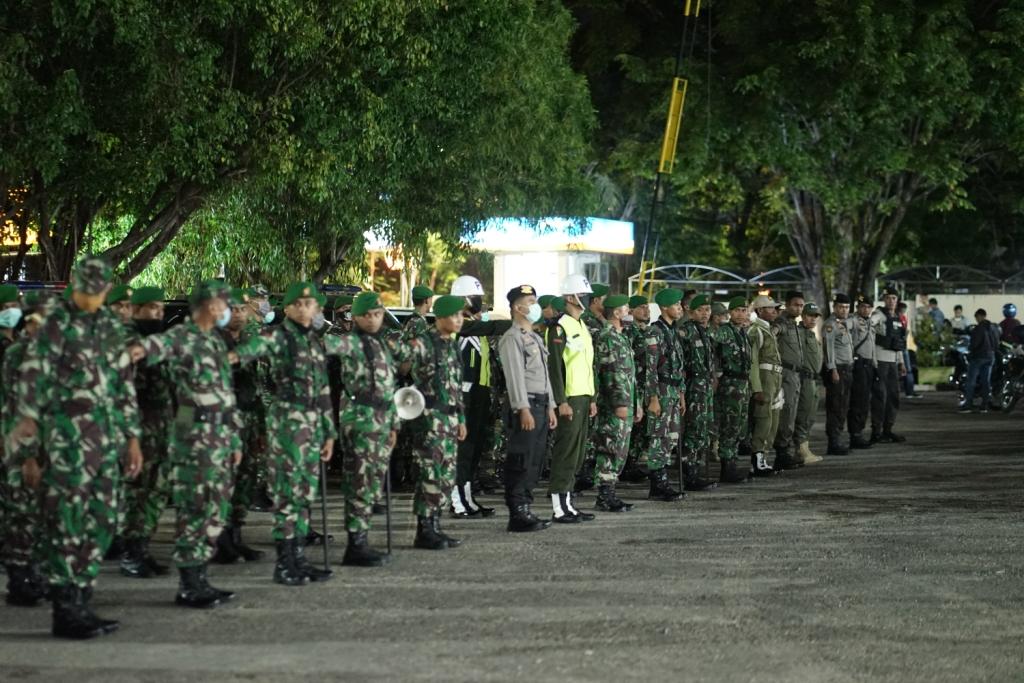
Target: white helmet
x,y
575,284
467,285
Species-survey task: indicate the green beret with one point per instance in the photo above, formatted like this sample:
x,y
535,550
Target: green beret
x,y
419,293
668,297
343,300
300,290
240,296
737,302
91,275
558,303
637,300
365,302
119,293
448,305
718,308
811,308
34,298
546,300
699,300
8,294
616,300
598,290
147,295
209,289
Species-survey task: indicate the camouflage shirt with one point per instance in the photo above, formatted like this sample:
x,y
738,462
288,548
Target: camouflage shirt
x,y
437,373
416,326
663,360
698,354
616,368
367,366
733,350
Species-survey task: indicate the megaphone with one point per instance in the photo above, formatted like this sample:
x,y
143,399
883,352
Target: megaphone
x,y
410,403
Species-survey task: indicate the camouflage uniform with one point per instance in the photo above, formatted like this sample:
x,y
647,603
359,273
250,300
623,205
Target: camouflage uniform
x,y
699,360
299,419
438,375
76,384
204,435
732,398
664,375
636,333
21,505
616,388
588,469
253,412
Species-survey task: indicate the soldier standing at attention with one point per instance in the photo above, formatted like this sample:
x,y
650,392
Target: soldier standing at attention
x,y
890,343
699,361
300,424
636,332
810,377
437,372
864,373
531,408
369,423
837,336
78,406
571,368
417,325
765,383
786,329
617,403
664,393
119,301
204,439
732,397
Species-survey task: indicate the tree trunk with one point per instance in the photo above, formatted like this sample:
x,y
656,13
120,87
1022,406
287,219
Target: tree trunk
x,y
808,228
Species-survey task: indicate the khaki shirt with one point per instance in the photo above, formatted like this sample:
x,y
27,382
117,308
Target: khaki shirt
x,y
524,358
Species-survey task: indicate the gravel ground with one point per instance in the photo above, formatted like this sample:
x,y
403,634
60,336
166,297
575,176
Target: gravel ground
x,y
898,564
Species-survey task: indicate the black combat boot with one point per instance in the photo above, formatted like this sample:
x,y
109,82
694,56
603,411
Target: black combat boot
x,y
205,580
358,553
226,552
154,567
314,537
889,436
261,501
876,437
304,566
784,460
248,554
427,537
607,501
194,591
692,480
116,550
618,502
108,625
285,571
452,542
858,441
23,587
70,617
661,489
759,467
521,519
836,448
730,474
133,563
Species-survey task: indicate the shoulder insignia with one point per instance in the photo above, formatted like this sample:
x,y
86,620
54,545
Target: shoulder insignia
x,y
828,328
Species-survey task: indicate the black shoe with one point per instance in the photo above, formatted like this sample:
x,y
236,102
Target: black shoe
x,y
261,501
452,542
661,489
358,553
561,510
522,520
116,549
585,516
222,594
286,572
23,587
472,504
226,552
314,537
607,501
876,437
154,567
194,591
633,475
248,554
759,467
134,562
461,506
892,437
859,442
427,537
836,448
305,567
784,461
730,474
692,480
71,619
108,625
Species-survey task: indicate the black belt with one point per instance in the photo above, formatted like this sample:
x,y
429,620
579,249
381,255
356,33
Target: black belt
x,y
736,375
433,404
807,374
539,399
212,416
370,400
791,367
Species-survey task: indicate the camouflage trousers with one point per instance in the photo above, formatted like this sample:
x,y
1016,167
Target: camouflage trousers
x,y
21,515
296,437
611,444
201,488
637,456
247,474
146,496
663,430
365,453
732,403
435,459
79,505
700,416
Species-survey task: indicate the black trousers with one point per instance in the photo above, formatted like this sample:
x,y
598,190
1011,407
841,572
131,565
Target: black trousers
x,y
837,400
860,395
478,431
885,397
526,453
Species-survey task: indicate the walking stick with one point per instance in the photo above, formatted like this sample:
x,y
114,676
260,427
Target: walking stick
x,y
387,503
323,511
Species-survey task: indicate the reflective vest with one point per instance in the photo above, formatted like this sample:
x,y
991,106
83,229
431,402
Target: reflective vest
x,y
578,356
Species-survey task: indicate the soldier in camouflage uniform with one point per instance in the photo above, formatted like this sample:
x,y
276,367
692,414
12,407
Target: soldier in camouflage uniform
x,y
369,423
699,361
204,442
300,424
617,409
437,372
246,382
636,332
719,316
664,393
594,319
417,325
77,403
146,496
120,302
732,397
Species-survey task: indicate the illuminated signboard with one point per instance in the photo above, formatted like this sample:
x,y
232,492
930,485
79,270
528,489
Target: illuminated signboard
x,y
554,234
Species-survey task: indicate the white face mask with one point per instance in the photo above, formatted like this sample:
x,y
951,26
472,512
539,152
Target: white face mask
x,y
268,317
224,318
10,317
534,312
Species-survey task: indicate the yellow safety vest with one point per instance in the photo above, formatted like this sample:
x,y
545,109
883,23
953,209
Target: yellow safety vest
x,y
578,356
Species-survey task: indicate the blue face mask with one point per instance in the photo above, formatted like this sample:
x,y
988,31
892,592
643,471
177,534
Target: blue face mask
x,y
224,318
485,316
10,317
268,317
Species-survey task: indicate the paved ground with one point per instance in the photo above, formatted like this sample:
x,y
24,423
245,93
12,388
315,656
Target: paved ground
x,y
902,564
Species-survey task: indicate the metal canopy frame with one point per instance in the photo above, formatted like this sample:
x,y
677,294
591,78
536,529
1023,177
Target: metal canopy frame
x,y
952,278
690,275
